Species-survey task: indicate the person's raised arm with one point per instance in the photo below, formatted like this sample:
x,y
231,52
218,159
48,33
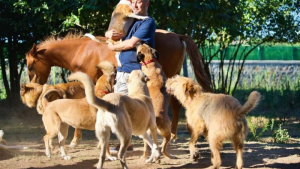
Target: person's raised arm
x,y
124,45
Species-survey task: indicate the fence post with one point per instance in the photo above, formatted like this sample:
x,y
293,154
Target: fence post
x,y
54,75
259,56
292,52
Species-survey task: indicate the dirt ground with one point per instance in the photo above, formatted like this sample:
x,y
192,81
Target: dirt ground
x,y
23,126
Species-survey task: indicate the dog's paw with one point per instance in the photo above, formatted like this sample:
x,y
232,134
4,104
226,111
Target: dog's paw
x,y
112,158
173,137
155,156
66,157
72,145
142,17
48,155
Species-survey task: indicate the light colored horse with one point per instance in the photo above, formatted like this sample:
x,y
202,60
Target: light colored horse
x,y
83,54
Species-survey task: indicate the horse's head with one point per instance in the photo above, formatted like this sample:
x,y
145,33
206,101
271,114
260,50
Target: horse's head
x,y
37,65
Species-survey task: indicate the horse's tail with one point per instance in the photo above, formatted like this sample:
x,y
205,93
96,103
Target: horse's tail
x,y
89,90
197,63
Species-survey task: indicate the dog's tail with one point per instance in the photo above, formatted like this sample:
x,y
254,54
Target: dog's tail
x,y
92,37
106,67
49,96
250,104
89,90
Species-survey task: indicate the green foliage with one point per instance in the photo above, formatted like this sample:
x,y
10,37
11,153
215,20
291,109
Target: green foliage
x,y
257,126
221,23
280,135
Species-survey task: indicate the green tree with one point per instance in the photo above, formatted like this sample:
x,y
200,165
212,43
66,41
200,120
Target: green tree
x,y
213,24
217,24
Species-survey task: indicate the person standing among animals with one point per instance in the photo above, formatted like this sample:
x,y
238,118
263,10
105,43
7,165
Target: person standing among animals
x,y
142,31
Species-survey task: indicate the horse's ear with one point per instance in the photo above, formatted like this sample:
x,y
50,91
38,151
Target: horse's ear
x,y
34,47
33,50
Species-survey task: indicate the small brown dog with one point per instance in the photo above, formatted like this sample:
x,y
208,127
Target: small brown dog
x,y
123,115
160,98
216,116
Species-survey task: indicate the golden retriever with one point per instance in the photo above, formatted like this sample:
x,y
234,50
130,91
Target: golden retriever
x,y
216,116
160,98
122,115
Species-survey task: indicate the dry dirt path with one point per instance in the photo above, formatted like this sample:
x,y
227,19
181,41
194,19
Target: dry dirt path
x,y
24,127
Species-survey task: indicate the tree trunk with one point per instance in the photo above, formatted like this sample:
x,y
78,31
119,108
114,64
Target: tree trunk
x,y
13,70
4,77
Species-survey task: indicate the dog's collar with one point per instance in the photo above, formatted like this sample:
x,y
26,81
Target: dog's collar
x,y
102,91
146,63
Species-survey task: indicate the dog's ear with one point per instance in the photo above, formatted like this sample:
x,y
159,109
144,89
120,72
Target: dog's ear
x,y
22,89
190,90
54,94
145,79
138,44
193,90
154,53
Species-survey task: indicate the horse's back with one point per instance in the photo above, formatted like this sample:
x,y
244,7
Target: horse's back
x,y
170,50
90,54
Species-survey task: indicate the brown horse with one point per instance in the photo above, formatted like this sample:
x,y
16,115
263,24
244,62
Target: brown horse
x,y
83,54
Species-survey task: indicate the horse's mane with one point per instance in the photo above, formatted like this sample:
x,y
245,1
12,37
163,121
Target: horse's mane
x,y
55,38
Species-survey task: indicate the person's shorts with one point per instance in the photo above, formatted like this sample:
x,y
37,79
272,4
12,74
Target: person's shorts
x,y
121,84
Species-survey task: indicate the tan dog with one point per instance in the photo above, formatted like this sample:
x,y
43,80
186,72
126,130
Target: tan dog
x,y
3,144
32,94
123,115
104,86
77,112
122,17
216,116
156,85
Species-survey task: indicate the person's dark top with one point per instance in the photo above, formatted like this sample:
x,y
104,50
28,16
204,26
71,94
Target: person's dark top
x,y
145,31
